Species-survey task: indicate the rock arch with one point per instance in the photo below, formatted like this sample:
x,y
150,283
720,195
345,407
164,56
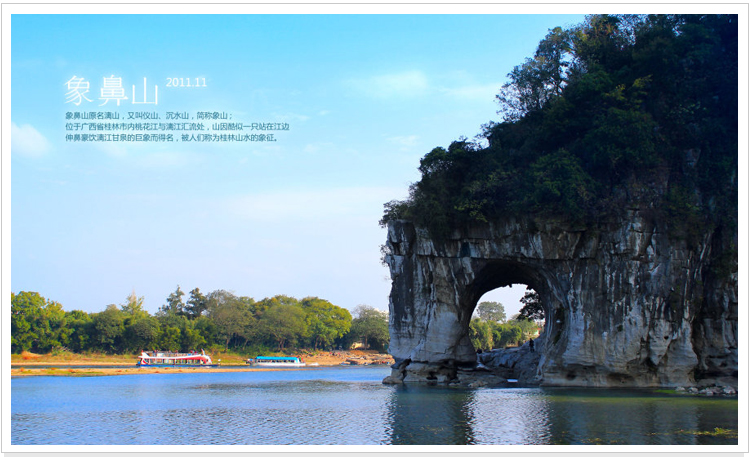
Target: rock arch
x,y
624,304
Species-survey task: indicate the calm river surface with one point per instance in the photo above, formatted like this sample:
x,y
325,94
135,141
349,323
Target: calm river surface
x,y
348,406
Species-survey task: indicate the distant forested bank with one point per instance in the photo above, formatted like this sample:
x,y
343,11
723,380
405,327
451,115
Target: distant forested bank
x,y
218,319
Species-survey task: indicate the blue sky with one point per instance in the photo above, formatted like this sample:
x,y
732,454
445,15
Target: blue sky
x,y
365,96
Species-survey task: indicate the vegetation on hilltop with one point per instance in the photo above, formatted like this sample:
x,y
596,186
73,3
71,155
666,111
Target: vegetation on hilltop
x,y
618,112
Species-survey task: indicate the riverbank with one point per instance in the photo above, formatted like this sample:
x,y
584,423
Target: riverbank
x,y
93,364
100,371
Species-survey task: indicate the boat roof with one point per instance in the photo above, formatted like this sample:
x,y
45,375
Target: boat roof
x,y
290,358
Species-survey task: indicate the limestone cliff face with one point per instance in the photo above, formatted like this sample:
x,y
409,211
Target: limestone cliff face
x,y
625,305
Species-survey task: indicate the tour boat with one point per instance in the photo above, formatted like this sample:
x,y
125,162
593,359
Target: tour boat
x,y
279,361
169,359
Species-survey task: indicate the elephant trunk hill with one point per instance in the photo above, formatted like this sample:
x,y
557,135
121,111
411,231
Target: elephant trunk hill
x,y
610,188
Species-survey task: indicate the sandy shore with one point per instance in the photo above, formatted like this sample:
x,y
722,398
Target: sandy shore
x,y
98,371
75,367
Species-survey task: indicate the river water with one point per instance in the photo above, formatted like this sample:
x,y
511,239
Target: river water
x,y
349,406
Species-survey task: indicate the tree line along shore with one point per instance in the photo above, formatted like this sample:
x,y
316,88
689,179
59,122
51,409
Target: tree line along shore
x,y
231,328
219,321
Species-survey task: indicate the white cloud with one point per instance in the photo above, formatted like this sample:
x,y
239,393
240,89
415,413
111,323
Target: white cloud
x,y
166,159
27,141
405,142
112,149
404,84
482,93
311,205
318,146
459,85
290,117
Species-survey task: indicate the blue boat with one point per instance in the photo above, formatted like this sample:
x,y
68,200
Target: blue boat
x,y
279,361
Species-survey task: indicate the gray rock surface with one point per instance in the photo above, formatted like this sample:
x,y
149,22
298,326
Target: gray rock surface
x,y
625,305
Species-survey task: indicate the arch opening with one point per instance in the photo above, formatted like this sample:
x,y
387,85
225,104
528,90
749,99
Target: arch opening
x,y
501,277
506,317
512,349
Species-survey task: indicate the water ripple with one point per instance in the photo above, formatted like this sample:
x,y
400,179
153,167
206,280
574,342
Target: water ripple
x,y
347,407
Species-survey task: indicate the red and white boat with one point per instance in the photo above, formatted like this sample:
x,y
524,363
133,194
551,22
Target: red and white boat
x,y
170,359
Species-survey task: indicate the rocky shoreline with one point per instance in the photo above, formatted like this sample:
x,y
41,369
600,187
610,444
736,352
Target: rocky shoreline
x,y
518,366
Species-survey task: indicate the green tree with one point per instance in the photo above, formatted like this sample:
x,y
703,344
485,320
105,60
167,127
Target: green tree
x,y
108,329
171,318
269,302
508,334
174,305
25,308
191,338
140,329
207,329
370,326
480,333
250,323
527,327
559,180
80,324
37,324
170,339
538,79
227,314
283,322
133,306
54,326
491,311
325,322
142,333
532,306
196,305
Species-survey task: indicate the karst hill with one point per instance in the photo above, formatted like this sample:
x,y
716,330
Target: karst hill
x,y
610,188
